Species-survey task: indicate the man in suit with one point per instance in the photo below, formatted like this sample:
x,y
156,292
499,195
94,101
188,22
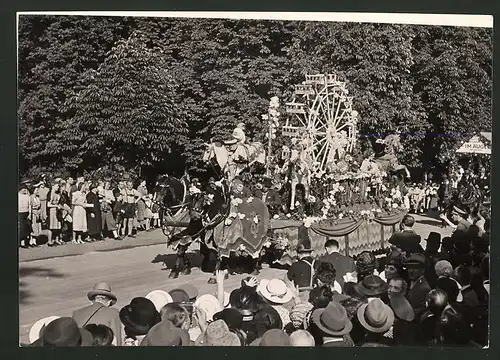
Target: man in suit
x,y
419,287
407,239
343,264
100,311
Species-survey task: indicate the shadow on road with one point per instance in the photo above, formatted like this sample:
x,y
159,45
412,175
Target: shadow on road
x,y
168,260
35,271
431,222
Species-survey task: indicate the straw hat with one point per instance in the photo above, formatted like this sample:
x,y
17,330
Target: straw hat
x,y
159,298
275,291
375,316
209,304
37,327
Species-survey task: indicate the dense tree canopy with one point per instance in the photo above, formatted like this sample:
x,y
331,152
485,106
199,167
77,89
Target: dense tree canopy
x,y
97,91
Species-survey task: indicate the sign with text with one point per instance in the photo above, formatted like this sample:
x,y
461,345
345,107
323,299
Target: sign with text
x,y
474,146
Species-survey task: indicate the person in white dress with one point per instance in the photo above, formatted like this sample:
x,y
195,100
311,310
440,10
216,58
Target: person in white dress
x,y
79,201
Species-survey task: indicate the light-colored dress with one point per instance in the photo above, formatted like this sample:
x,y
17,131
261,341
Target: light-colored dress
x,y
54,223
79,213
36,216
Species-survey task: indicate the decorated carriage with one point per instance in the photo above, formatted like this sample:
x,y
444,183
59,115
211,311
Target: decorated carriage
x,y
343,195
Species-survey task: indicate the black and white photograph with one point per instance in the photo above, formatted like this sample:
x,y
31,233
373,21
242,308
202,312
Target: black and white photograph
x,y
254,179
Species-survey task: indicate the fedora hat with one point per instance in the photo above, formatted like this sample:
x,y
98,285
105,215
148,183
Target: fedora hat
x,y
38,327
372,285
166,334
415,260
103,289
209,304
159,298
434,237
179,295
218,334
332,320
191,290
402,308
275,291
375,316
63,332
140,315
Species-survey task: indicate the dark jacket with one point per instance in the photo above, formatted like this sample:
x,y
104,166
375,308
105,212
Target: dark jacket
x,y
342,264
94,222
417,296
408,241
301,272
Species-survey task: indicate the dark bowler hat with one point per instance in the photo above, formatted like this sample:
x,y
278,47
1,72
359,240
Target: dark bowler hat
x,y
140,315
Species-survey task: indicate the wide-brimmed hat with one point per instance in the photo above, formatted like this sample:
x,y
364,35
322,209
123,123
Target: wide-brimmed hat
x,y
332,320
434,237
166,334
39,326
275,337
375,316
179,295
275,291
140,315
103,289
218,334
159,298
459,211
237,136
372,285
209,304
191,290
402,307
63,332
415,260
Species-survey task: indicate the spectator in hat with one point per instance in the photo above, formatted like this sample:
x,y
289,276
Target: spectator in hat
x,y
276,293
341,263
100,312
101,335
331,326
301,338
407,239
64,332
165,333
393,266
372,286
459,217
266,318
377,319
433,243
79,201
43,194
138,318
366,263
419,287
218,333
301,273
275,337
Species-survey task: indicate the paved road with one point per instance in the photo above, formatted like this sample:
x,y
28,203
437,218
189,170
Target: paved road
x,y
58,286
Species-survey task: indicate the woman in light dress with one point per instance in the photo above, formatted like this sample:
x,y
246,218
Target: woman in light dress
x,y
79,201
36,216
55,225
141,205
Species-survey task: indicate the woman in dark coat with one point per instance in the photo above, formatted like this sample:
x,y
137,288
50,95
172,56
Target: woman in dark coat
x,y
94,221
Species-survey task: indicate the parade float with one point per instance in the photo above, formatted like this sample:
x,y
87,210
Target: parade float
x,y
345,195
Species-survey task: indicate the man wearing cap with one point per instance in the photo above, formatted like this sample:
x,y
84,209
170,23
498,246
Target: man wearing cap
x,y
100,311
419,287
460,217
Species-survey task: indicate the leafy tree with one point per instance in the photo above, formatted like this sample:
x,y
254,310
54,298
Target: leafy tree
x,y
128,113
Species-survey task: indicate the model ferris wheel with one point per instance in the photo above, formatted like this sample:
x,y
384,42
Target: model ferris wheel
x,y
322,120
